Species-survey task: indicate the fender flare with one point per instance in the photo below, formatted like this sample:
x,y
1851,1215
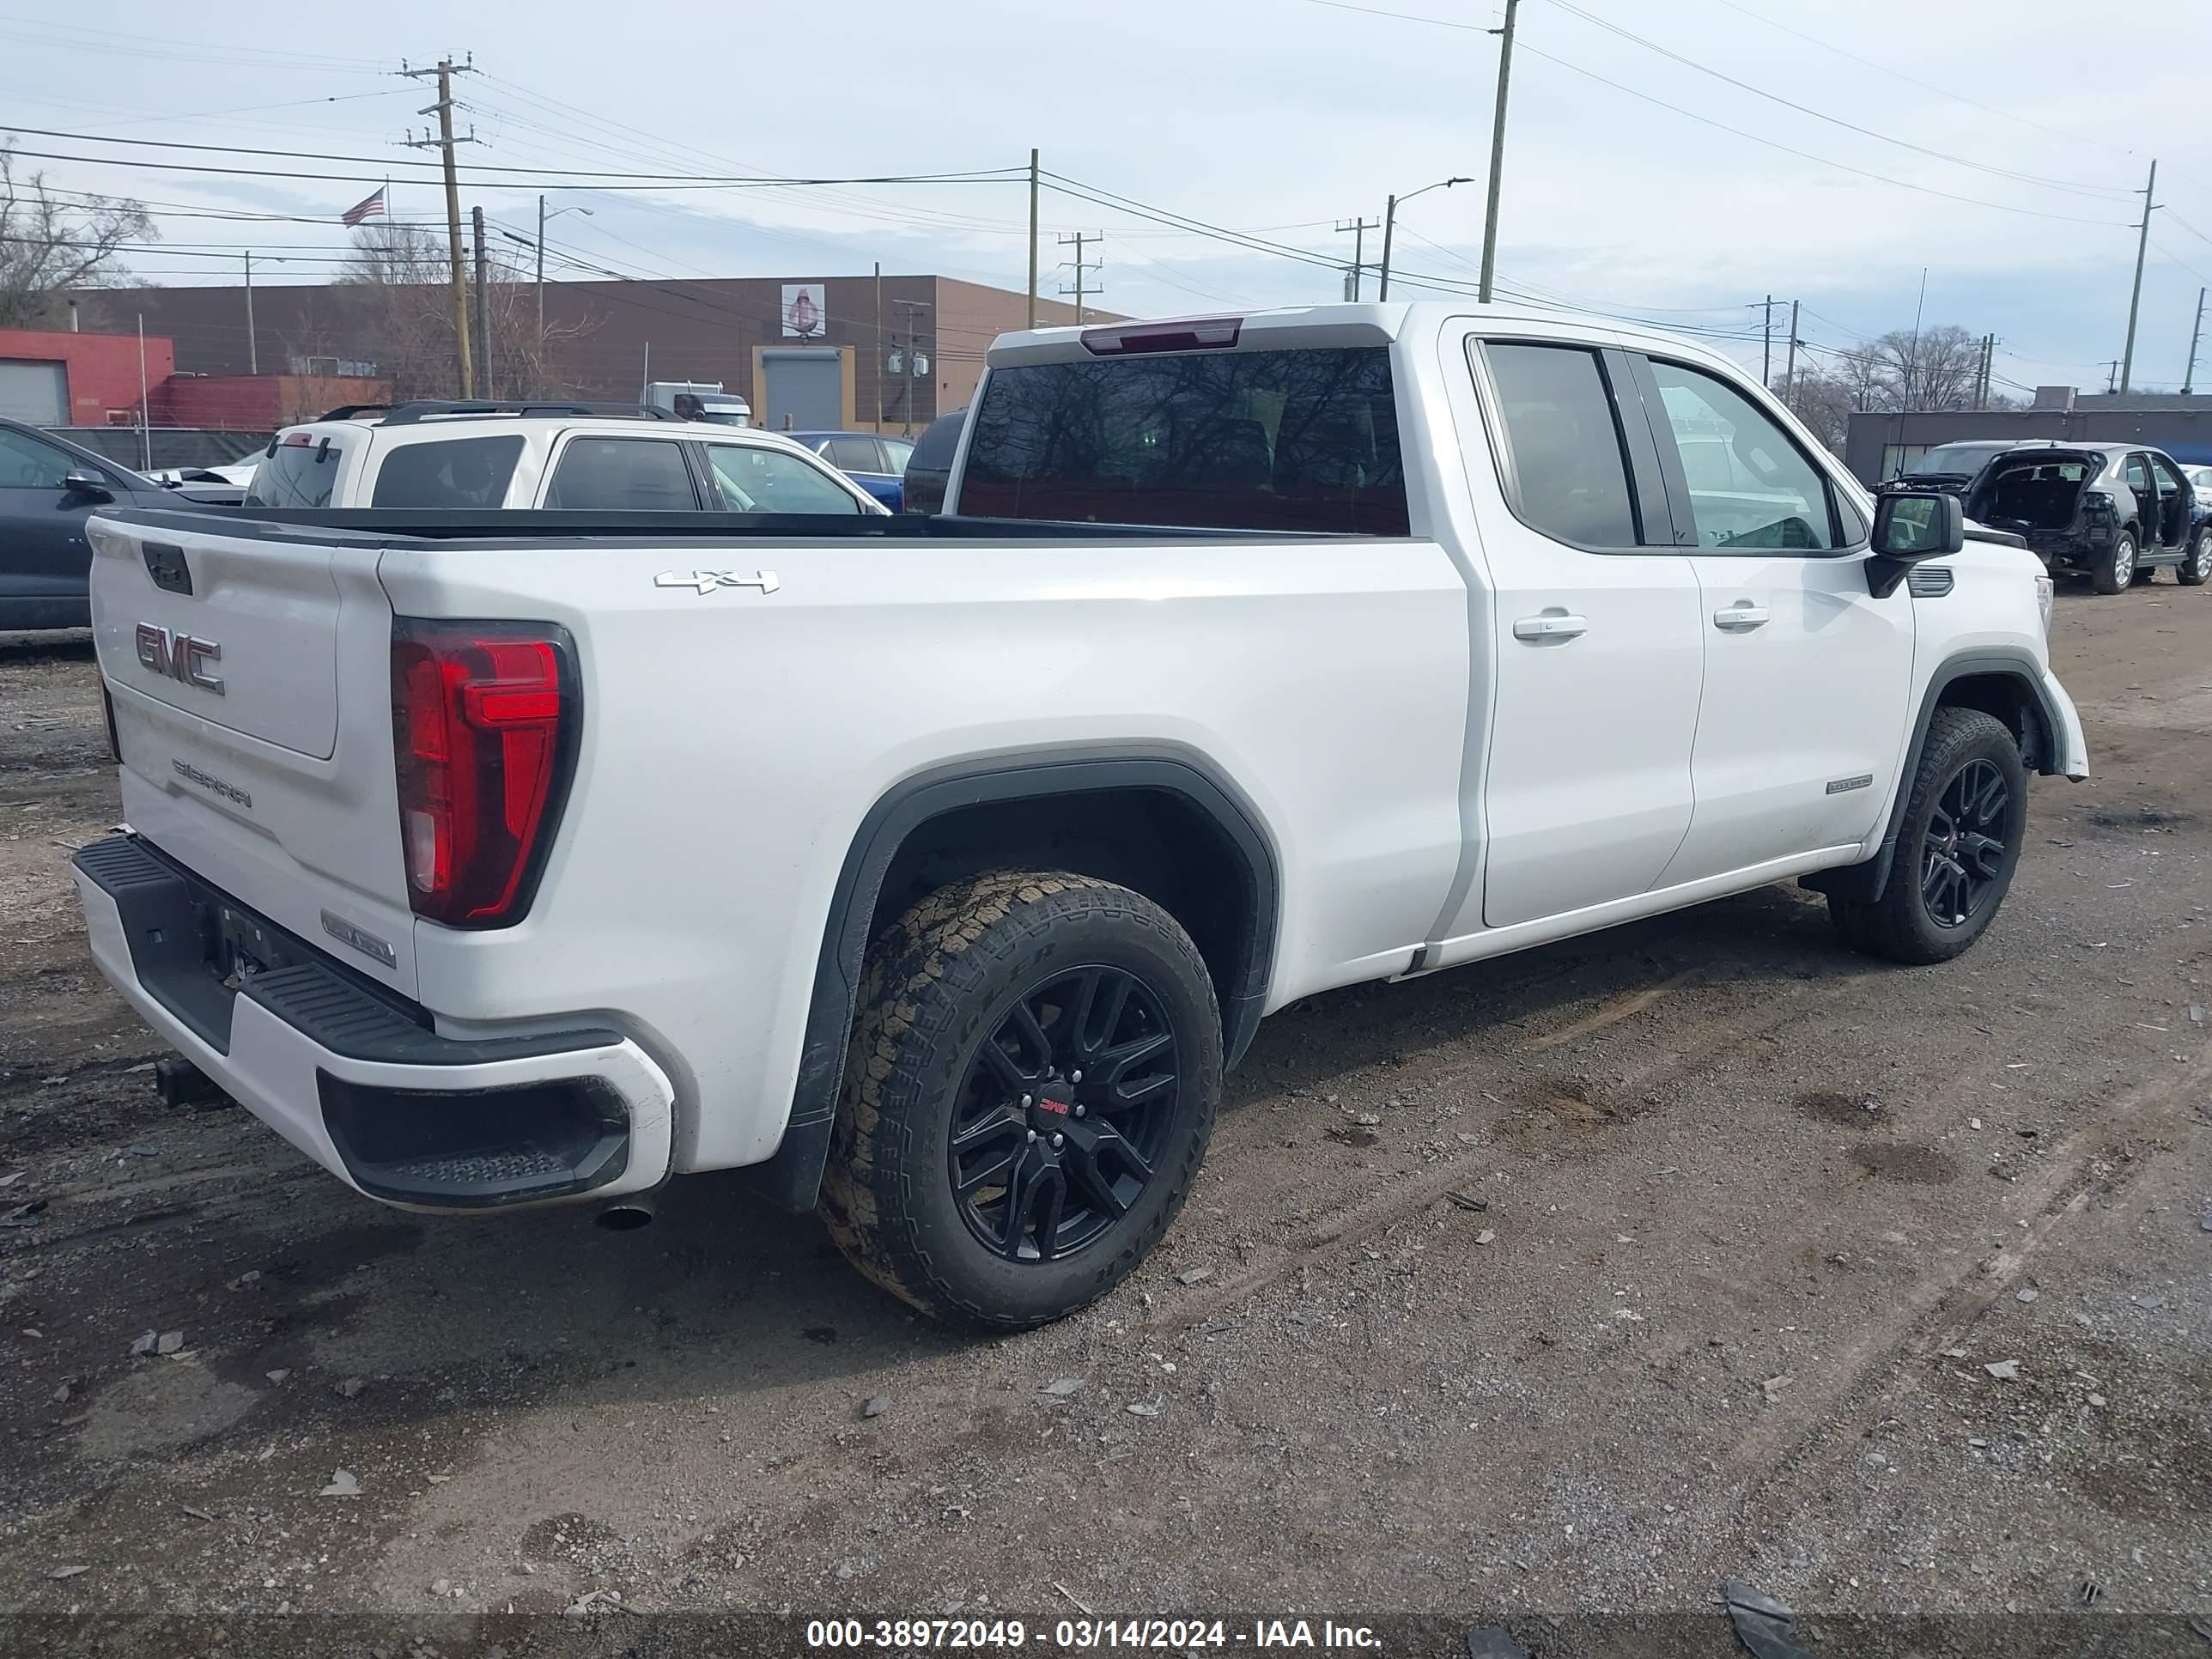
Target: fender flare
x,y
1866,879
793,1176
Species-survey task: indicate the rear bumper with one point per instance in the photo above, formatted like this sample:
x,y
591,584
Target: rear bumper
x,y
357,1080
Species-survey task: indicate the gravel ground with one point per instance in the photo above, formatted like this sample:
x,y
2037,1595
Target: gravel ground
x,y
1568,1285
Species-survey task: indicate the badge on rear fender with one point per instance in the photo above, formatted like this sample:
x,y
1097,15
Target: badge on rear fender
x,y
706,581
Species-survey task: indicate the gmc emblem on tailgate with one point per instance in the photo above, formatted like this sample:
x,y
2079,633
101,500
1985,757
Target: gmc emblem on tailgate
x,y
179,656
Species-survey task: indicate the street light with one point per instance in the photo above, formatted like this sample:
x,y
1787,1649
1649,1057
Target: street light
x,y
253,342
1390,218
543,215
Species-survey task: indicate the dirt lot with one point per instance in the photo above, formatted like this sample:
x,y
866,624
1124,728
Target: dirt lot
x,y
1570,1283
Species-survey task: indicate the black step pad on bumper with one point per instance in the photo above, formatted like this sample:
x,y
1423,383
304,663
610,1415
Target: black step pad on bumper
x,y
170,919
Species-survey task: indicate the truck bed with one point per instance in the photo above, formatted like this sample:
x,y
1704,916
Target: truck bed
x,y
510,527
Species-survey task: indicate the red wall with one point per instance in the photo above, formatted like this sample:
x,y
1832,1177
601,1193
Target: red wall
x,y
257,402
103,368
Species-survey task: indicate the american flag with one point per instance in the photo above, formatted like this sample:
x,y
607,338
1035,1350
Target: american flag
x,y
370,207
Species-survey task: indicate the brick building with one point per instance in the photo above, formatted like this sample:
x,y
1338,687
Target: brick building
x,y
852,354
55,378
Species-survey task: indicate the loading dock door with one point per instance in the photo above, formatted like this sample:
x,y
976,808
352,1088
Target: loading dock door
x,y
807,385
33,392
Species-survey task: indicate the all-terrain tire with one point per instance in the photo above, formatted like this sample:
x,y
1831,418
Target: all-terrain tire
x,y
2115,567
2196,566
1900,926
937,985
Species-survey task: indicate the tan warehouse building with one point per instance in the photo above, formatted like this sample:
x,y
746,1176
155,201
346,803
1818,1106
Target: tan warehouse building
x,y
807,353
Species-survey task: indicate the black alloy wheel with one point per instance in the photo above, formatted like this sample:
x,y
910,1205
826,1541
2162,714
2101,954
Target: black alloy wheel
x,y
1060,1122
1963,853
1029,1090
1960,833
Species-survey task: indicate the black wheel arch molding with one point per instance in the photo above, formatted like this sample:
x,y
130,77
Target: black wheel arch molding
x,y
792,1178
2019,669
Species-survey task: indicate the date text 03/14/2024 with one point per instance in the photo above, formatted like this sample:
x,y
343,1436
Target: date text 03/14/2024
x,y
1172,1635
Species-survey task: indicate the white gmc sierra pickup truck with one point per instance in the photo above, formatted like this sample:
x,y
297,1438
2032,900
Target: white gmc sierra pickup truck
x,y
938,867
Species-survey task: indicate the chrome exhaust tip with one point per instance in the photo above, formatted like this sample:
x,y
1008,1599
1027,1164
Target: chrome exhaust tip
x,y
627,1215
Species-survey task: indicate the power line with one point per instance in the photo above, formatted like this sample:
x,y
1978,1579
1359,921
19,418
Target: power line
x,y
1925,86
111,43
996,175
1568,6
1843,167
2185,224
1787,150
2178,260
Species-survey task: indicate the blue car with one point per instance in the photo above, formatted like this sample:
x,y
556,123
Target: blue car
x,y
876,465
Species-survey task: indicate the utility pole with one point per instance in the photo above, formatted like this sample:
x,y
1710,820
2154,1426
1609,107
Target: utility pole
x,y
1389,223
1359,227
908,372
1913,362
541,277
1766,346
1497,151
2195,335
484,308
2135,295
145,403
443,109
1789,373
2111,376
1078,240
252,346
879,345
1033,236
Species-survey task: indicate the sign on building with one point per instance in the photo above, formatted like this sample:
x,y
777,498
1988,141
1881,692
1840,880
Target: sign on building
x,y
806,310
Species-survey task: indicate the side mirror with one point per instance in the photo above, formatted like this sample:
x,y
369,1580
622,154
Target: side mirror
x,y
1910,525
79,482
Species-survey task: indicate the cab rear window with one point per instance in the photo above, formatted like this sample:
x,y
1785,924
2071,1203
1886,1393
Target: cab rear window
x,y
1281,441
297,475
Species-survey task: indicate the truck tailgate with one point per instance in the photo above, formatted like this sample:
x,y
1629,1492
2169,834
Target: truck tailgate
x,y
250,674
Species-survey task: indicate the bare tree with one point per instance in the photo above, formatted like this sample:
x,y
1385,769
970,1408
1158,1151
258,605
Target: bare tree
x,y
400,291
1824,401
48,246
1940,369
1937,368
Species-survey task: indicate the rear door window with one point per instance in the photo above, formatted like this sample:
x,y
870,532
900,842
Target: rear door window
x,y
753,478
623,475
1279,441
1564,466
852,455
299,475
458,472
896,452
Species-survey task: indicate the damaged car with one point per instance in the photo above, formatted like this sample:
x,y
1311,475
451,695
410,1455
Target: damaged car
x,y
2113,512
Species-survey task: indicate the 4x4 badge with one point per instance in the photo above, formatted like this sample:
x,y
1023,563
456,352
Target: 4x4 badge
x,y
707,580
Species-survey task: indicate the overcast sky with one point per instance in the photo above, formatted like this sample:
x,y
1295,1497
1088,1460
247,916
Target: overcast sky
x,y
2002,147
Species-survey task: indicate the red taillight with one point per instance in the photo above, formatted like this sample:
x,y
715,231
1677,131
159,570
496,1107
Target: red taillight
x,y
485,717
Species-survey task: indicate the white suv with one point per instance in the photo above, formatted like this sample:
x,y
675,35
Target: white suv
x,y
598,457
